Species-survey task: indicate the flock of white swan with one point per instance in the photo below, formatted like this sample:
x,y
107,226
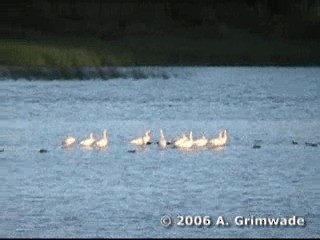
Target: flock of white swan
x,y
183,141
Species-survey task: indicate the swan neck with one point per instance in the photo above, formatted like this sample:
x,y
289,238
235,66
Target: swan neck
x,y
161,133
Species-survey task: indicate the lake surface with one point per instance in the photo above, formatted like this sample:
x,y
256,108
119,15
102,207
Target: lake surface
x,y
115,193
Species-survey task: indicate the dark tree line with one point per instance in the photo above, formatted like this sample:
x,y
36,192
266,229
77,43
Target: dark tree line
x,y
114,19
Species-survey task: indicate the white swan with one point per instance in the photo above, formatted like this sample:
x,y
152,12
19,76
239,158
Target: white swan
x,y
216,141
68,142
103,142
177,140
89,141
141,141
200,142
186,143
162,141
138,141
221,140
147,137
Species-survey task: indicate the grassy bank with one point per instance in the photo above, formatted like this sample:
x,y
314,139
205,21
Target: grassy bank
x,y
61,52
229,47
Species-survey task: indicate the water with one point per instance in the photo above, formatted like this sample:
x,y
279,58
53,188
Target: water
x,y
114,193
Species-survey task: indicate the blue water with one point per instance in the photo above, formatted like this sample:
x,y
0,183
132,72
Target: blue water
x,y
115,193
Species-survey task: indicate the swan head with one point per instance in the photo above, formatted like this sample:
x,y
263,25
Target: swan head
x,y
190,135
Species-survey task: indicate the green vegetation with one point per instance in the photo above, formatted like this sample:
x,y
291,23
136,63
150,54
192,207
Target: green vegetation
x,y
62,53
229,47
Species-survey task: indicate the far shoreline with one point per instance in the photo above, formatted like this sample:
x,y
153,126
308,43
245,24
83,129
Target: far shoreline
x,y
114,72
